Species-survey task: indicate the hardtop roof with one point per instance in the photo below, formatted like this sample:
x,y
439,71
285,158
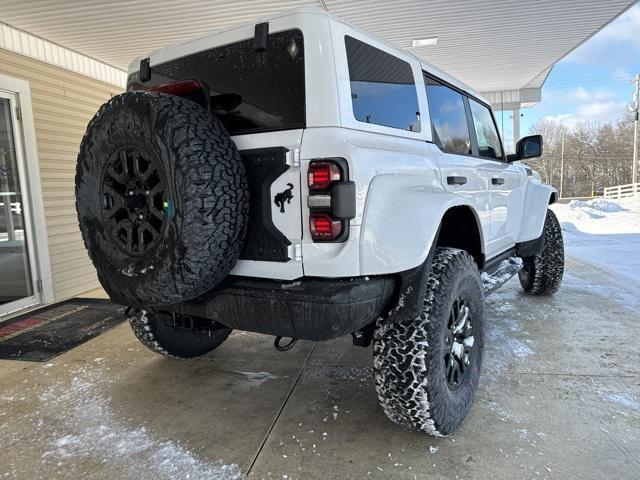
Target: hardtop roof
x,y
311,10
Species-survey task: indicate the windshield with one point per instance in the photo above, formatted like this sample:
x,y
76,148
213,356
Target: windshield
x,y
250,91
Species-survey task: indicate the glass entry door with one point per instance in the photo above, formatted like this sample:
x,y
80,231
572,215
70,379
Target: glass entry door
x,y
17,283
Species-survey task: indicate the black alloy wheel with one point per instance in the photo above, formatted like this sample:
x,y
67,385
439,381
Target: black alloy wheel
x,y
458,341
134,203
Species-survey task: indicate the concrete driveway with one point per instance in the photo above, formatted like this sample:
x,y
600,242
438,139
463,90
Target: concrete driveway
x,y
559,398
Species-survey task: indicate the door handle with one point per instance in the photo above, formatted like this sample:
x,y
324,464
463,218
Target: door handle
x,y
456,180
497,181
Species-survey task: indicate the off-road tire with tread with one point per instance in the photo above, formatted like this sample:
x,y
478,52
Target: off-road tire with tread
x,y
154,333
542,273
203,208
409,353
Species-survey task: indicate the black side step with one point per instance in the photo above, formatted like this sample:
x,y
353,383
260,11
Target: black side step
x,y
501,274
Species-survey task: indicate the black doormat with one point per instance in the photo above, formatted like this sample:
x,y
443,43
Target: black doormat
x,y
47,332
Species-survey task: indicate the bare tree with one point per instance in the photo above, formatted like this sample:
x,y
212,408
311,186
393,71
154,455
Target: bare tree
x,y
595,155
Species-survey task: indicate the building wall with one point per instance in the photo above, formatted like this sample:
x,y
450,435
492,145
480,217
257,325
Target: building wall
x,y
63,104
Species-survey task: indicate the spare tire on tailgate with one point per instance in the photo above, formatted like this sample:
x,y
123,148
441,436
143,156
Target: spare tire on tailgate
x,y
162,199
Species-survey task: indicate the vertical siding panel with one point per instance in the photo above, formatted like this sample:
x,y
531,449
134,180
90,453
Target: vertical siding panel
x,y
75,97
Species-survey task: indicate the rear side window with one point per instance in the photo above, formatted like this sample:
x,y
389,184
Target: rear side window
x,y
448,118
250,91
486,132
383,90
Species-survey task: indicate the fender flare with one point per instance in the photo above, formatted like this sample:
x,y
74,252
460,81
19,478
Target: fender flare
x,y
537,199
404,210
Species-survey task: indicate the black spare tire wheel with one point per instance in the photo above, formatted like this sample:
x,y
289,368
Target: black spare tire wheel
x,y
162,199
161,334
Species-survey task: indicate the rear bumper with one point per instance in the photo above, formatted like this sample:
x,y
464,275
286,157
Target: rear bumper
x,y
309,309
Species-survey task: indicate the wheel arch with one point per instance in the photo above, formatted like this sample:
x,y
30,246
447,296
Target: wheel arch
x,y
460,228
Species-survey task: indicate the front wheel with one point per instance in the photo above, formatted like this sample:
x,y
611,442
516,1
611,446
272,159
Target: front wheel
x,y
542,273
427,368
159,333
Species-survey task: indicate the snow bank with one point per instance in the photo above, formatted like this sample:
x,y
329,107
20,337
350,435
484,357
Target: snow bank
x,y
600,204
604,232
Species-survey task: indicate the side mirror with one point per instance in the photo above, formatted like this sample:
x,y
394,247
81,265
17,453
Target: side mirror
x,y
527,147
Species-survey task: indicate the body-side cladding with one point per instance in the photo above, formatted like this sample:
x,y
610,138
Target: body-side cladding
x,y
537,198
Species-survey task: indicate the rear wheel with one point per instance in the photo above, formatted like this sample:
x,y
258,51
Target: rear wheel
x,y
161,334
427,368
542,273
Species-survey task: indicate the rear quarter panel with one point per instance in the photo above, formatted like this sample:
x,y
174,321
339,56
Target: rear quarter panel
x,y
400,202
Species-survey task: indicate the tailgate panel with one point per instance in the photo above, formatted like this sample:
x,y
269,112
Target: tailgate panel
x,y
272,245
264,241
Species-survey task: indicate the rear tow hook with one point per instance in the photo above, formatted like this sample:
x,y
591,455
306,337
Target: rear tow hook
x,y
287,346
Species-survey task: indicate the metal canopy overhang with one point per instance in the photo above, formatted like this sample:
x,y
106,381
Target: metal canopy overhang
x,y
504,49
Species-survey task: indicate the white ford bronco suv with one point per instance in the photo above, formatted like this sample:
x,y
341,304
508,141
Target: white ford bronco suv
x,y
301,178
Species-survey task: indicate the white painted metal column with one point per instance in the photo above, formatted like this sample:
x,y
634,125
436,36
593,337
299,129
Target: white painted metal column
x,y
516,126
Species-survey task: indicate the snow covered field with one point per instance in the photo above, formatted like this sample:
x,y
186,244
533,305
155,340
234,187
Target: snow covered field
x,y
605,233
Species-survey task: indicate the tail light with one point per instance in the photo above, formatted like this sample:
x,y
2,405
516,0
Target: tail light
x,y
179,89
331,200
324,226
322,174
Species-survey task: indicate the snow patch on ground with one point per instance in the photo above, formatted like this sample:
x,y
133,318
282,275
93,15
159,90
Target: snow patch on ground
x,y
624,293
508,346
257,378
507,343
502,414
93,431
604,232
625,400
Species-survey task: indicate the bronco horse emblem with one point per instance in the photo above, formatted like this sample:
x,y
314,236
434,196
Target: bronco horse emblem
x,y
284,196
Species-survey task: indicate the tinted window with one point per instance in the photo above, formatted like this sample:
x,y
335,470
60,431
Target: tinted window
x,y
448,118
382,87
250,91
486,132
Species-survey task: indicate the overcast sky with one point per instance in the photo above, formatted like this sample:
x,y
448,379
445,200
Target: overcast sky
x,y
595,81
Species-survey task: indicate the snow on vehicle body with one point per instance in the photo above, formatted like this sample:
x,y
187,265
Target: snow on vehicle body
x,y
366,169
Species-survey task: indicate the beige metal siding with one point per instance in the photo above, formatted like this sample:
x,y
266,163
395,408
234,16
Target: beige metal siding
x,y
63,104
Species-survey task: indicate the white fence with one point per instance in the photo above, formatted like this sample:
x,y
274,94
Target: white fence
x,y
621,191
